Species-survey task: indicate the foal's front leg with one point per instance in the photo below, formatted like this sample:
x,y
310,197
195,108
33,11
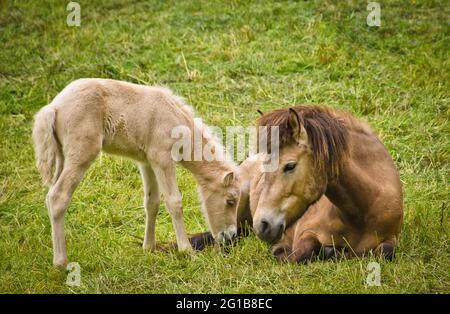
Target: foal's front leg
x,y
167,181
151,205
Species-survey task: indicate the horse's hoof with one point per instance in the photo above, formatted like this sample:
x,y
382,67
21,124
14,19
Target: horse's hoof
x,y
386,250
329,252
281,252
201,241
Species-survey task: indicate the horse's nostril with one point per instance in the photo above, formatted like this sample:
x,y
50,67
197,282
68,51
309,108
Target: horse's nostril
x,y
265,226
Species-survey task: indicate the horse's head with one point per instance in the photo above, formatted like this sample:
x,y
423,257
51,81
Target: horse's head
x,y
311,144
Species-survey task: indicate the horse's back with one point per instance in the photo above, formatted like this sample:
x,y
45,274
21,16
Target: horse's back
x,y
377,170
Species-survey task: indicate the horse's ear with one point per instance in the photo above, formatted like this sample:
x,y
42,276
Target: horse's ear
x,y
228,179
298,131
260,112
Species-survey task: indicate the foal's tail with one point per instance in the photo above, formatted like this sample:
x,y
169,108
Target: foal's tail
x,y
47,149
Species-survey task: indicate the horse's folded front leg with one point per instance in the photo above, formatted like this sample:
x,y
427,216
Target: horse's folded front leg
x,y
305,249
283,249
200,241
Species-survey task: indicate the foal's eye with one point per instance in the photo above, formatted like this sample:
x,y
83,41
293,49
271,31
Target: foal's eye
x,y
231,202
289,167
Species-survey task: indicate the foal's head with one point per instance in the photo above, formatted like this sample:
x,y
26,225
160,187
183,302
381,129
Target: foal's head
x,y
220,199
312,144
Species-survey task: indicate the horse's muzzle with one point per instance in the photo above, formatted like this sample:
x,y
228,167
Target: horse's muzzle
x,y
269,231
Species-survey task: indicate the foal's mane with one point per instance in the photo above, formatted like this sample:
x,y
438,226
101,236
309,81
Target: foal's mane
x,y
327,131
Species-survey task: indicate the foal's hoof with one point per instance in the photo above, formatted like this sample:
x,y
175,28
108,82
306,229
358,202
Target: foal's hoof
x,y
149,247
282,252
185,249
60,263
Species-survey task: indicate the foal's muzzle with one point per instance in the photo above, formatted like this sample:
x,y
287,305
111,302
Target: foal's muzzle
x,y
228,236
269,231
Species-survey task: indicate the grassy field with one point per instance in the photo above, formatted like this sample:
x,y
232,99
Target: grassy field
x,y
228,59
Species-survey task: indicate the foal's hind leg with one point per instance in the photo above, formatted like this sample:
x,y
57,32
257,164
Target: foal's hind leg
x,y
151,205
60,194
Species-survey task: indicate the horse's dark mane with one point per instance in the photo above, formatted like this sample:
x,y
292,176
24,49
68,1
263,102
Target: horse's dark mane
x,y
327,131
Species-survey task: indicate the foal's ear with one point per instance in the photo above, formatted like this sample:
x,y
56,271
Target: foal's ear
x,y
298,131
228,179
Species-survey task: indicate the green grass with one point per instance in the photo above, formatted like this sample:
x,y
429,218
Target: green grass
x,y
240,56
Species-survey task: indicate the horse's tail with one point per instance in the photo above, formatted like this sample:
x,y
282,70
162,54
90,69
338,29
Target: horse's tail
x,y
47,149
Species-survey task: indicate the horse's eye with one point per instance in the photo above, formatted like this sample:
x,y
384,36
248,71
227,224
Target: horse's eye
x,y
289,167
231,202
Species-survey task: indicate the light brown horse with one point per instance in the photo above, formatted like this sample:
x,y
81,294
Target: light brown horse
x,y
336,188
